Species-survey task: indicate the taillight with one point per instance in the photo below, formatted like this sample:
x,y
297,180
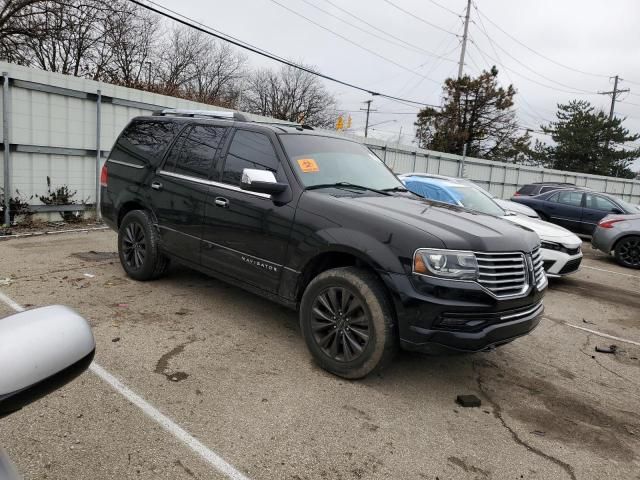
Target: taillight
x,y
609,223
516,194
103,176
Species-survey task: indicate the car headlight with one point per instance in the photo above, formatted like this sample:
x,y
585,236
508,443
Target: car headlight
x,y
446,264
551,245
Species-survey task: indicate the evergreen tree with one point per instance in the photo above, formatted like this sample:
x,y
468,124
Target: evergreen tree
x,y
587,141
475,111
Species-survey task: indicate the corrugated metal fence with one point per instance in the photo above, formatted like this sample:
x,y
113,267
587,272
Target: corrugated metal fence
x,y
62,127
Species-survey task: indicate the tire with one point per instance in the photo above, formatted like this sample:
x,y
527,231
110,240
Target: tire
x,y
627,251
367,313
144,261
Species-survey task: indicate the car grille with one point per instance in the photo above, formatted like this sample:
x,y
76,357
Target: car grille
x,y
509,274
571,266
503,274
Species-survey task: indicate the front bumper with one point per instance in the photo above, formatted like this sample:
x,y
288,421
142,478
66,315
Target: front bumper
x,y
558,264
437,315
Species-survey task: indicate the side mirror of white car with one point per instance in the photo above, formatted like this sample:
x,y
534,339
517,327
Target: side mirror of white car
x,y
40,351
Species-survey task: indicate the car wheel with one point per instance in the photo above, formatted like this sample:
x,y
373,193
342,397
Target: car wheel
x,y
138,247
347,322
628,252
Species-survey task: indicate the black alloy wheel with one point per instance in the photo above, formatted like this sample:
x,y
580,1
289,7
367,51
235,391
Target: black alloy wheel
x,y
341,325
628,252
134,245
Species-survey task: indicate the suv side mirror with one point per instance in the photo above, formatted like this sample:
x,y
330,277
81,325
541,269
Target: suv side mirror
x,y
261,181
40,351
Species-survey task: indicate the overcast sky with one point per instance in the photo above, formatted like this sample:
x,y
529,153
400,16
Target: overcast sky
x,y
598,37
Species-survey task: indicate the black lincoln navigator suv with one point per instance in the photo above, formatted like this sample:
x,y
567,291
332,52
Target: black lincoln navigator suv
x,y
320,224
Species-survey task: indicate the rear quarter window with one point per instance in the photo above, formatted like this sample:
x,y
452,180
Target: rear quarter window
x,y
145,141
527,190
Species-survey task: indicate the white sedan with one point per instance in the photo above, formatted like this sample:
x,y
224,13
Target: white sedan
x,y
561,249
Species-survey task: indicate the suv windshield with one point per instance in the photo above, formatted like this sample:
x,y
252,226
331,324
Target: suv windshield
x,y
332,161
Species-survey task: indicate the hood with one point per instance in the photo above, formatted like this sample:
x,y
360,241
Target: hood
x,y
457,228
547,231
516,207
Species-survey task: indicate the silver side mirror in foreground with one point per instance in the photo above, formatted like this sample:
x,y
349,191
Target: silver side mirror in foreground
x,y
40,351
261,181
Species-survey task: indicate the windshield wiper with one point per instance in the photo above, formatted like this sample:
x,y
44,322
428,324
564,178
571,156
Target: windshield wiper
x,y
395,189
348,185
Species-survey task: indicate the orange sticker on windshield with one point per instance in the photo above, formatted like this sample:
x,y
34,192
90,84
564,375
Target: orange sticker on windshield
x,y
308,165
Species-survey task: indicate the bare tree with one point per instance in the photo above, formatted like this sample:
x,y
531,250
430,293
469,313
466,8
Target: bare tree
x,y
177,58
130,38
217,75
289,94
70,34
19,20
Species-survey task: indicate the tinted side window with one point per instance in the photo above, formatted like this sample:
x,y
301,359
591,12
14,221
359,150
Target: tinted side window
x,y
526,190
195,154
149,139
599,203
547,189
248,150
570,198
553,198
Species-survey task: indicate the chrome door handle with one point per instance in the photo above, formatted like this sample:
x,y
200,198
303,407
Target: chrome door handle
x,y
156,185
221,202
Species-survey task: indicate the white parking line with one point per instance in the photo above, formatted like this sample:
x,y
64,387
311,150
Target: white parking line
x,y
611,271
595,332
212,458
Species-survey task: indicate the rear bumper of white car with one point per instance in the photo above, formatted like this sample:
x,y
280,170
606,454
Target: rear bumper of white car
x,y
558,263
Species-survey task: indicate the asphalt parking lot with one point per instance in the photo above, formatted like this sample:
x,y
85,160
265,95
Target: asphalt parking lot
x,y
231,370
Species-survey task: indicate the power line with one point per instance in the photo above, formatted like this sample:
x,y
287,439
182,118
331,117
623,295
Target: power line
x,y
495,45
551,87
379,29
407,12
399,43
372,52
538,53
184,20
445,8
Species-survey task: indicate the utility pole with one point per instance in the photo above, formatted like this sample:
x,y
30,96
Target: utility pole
x,y
464,39
366,122
614,93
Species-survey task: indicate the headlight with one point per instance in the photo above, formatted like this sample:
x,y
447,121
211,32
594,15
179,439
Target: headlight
x,y
550,245
446,264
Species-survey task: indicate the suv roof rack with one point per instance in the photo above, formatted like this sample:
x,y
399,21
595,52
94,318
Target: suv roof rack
x,y
229,115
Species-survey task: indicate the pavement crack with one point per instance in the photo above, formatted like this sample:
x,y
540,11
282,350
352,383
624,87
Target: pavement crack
x,y
497,413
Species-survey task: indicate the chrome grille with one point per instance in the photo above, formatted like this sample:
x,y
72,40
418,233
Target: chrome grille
x,y
538,269
503,274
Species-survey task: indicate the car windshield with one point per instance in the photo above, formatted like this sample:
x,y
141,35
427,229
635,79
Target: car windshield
x,y
332,161
466,196
629,207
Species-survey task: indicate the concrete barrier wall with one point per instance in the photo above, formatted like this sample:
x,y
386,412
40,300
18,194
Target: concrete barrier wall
x,y
63,127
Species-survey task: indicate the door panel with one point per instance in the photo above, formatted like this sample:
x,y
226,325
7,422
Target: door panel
x,y
596,208
565,209
179,190
246,234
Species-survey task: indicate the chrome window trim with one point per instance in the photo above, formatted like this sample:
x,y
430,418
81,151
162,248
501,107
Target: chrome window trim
x,y
211,183
126,164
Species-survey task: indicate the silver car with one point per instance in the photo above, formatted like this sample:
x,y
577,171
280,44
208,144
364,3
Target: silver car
x,y
620,235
